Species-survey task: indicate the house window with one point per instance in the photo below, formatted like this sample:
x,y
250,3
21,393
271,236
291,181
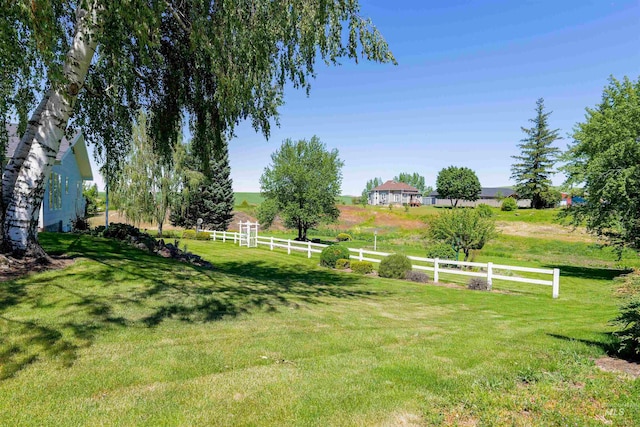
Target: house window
x,y
55,191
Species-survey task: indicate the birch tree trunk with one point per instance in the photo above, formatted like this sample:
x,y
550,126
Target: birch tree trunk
x,y
23,181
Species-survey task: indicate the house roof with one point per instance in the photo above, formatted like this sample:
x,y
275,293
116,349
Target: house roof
x,y
77,146
488,192
396,186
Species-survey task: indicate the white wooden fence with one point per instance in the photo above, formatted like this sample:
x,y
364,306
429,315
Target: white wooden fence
x,y
489,270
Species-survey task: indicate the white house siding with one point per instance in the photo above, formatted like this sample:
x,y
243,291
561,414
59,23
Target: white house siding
x,y
59,212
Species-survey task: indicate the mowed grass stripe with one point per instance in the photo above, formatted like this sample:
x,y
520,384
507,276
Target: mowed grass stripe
x,y
270,339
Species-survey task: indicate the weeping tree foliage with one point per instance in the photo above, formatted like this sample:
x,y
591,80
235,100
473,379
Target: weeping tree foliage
x,y
604,159
147,181
215,63
301,185
534,166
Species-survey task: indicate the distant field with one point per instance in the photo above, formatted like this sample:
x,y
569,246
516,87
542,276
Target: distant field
x,y
256,198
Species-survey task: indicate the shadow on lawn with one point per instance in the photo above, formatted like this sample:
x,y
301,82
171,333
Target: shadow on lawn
x,y
57,313
606,344
589,272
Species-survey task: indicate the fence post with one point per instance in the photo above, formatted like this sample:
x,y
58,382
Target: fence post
x,y
214,235
556,282
289,246
360,258
308,249
234,237
224,237
489,275
435,270
271,246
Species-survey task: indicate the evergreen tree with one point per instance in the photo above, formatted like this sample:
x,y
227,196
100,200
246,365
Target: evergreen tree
x,y
534,166
209,195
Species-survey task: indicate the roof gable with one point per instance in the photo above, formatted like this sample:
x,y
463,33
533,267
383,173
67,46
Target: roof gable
x,y
396,186
77,147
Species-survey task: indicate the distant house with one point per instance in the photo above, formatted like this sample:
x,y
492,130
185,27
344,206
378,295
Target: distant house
x,y
491,196
395,193
63,201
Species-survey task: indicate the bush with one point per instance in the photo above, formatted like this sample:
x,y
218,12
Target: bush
x,y
478,284
342,264
80,224
120,231
417,276
203,235
333,253
485,210
394,266
441,251
189,234
509,204
343,237
361,267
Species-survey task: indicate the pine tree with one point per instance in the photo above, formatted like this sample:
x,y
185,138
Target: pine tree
x,y
211,199
534,166
217,195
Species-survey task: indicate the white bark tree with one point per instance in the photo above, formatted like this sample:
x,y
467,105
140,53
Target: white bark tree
x,y
23,180
215,62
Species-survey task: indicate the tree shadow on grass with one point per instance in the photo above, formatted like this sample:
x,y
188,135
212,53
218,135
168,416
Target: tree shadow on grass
x,y
589,272
607,343
54,315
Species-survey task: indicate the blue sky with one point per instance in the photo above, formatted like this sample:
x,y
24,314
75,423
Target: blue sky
x,y
468,76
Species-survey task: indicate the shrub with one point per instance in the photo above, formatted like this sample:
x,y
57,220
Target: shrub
x,y
189,234
509,204
394,266
342,264
343,237
478,284
79,224
361,267
120,231
333,253
416,276
441,251
203,235
484,210
244,204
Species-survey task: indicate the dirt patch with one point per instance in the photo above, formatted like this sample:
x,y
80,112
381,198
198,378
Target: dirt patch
x,y
351,216
545,231
611,364
11,268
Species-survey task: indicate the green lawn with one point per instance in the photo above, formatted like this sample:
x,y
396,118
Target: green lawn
x,y
126,338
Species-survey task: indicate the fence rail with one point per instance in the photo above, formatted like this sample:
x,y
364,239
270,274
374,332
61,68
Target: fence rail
x,y
434,264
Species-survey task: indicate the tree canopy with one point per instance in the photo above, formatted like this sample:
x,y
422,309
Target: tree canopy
x,y
301,185
414,179
370,185
463,229
534,166
458,183
210,62
604,158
